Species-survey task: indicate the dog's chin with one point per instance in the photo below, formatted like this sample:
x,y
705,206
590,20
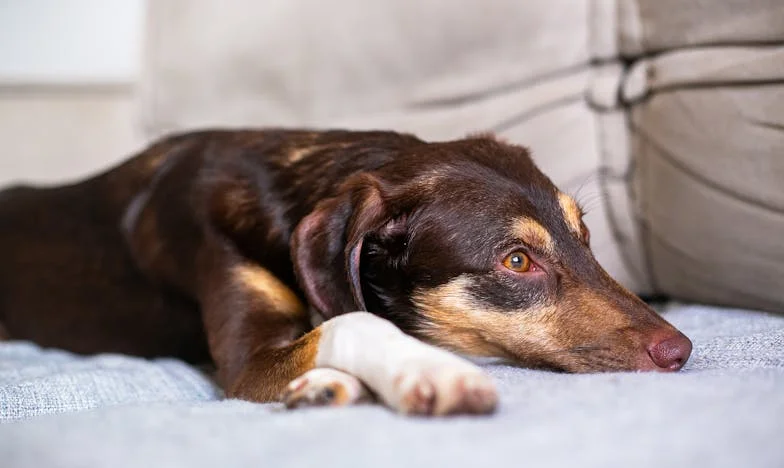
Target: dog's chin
x,y
585,359
567,361
665,350
600,363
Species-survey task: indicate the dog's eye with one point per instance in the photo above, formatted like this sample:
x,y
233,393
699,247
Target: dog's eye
x,y
517,261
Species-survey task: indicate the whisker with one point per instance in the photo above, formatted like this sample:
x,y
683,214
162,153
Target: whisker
x,y
588,179
588,348
589,201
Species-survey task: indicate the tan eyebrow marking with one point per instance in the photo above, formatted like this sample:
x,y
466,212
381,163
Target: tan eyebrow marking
x,y
533,233
571,211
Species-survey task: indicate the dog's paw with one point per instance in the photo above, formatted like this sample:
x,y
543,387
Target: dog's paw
x,y
324,387
447,389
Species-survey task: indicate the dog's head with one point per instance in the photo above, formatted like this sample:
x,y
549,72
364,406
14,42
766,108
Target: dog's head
x,y
469,246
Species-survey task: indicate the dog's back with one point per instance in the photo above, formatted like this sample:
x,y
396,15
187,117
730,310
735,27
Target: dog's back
x,y
67,279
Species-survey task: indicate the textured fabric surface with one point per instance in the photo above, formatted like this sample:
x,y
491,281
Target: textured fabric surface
x,y
726,409
34,382
646,26
709,174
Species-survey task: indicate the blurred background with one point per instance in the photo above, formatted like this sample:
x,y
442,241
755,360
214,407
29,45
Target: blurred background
x,y
68,75
664,117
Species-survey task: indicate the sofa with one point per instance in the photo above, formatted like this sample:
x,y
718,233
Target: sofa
x,y
664,118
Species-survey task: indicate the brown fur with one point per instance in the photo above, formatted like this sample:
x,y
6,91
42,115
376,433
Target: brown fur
x,y
209,245
541,337
270,370
454,320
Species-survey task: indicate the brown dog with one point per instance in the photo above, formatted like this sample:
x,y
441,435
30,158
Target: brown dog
x,y
209,245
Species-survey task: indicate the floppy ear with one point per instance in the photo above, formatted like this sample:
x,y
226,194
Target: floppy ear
x,y
327,244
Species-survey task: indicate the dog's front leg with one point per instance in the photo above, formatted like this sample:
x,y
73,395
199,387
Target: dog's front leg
x,y
406,374
259,333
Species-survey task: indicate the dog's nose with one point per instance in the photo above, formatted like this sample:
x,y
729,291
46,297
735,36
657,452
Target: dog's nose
x,y
671,353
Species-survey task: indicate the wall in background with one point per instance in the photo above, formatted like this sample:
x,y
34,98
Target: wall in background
x,y
70,41
67,74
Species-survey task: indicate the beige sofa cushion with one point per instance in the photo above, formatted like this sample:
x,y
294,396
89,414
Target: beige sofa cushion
x,y
647,26
676,149
307,62
710,182
705,136
435,68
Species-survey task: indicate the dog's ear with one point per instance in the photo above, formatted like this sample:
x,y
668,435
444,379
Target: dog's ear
x,y
327,245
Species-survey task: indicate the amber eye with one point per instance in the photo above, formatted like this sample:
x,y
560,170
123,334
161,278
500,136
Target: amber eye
x,y
518,261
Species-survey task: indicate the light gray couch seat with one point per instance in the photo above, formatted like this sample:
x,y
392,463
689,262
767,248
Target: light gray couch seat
x,y
725,409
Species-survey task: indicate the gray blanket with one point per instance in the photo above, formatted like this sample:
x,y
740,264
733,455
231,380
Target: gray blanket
x,y
725,409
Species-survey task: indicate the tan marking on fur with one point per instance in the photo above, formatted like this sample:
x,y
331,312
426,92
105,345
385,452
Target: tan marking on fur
x,y
429,182
302,152
595,313
154,161
458,321
303,358
540,335
533,233
590,320
278,295
571,212
342,396
308,389
269,372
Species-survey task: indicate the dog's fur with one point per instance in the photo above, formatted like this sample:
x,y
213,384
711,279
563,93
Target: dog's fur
x,y
217,245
